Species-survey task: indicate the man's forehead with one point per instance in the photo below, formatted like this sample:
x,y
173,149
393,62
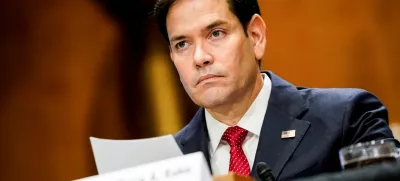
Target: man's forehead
x,y
191,14
198,5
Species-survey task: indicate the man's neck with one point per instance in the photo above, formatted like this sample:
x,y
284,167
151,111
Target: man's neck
x,y
231,113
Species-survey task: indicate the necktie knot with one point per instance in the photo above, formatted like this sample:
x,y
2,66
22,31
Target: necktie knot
x,y
235,136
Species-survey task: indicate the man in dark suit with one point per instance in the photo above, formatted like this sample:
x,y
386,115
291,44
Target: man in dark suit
x,y
247,115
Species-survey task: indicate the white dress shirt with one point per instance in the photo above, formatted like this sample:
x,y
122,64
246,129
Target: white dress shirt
x,y
251,121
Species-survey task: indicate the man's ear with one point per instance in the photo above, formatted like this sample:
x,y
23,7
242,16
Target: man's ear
x,y
256,30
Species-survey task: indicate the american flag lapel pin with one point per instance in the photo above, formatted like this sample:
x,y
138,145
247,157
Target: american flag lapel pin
x,y
288,134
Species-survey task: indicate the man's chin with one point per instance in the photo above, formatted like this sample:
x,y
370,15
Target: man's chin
x,y
211,101
211,97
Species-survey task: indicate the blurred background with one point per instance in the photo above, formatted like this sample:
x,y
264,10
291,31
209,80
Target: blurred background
x,y
71,69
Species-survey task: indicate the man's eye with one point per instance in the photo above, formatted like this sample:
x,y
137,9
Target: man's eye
x,y
181,45
217,34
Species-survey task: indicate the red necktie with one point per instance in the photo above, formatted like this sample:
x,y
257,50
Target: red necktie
x,y
238,161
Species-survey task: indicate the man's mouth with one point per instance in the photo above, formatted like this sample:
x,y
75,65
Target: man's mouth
x,y
206,77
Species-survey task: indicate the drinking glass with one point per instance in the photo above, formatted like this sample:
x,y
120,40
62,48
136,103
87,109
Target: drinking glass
x,y
368,153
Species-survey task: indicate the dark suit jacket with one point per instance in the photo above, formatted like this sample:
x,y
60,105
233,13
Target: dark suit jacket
x,y
325,120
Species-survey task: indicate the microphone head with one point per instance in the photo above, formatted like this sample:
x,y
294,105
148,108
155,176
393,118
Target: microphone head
x,y
264,172
262,167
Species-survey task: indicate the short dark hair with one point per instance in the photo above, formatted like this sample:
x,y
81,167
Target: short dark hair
x,y
243,9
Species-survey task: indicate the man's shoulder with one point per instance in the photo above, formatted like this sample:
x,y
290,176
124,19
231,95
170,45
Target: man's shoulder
x,y
191,127
321,97
181,134
339,104
335,96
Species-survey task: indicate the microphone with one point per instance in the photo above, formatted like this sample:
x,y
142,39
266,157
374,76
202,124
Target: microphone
x,y
264,172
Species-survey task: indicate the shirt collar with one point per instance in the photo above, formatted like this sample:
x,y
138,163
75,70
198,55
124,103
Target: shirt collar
x,y
251,121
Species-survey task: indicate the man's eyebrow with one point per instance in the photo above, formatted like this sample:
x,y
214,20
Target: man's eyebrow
x,y
177,38
215,24
207,28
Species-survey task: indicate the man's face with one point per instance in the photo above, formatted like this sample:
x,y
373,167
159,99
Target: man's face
x,y
214,58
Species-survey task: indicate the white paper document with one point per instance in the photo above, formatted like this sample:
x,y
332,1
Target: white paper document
x,y
192,167
113,155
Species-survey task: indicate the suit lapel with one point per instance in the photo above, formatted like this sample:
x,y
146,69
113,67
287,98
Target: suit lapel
x,y
285,107
196,137
272,149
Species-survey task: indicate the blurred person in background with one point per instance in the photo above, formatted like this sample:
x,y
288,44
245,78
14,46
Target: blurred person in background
x,y
247,115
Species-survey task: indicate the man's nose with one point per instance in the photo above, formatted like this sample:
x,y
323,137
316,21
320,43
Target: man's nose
x,y
202,57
